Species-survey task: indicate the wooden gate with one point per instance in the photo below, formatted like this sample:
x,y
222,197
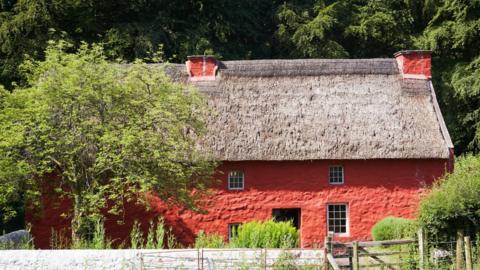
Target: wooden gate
x,y
356,255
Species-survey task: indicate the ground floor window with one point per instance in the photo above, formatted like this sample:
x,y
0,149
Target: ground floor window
x,y
233,230
337,218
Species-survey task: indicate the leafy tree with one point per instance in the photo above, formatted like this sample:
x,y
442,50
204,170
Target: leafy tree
x,y
453,202
454,37
466,91
136,29
112,133
380,28
312,31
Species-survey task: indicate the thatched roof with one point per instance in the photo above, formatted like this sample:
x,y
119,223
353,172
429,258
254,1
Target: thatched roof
x,y
320,109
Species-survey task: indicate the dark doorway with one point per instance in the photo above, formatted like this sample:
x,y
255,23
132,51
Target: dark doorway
x,y
286,214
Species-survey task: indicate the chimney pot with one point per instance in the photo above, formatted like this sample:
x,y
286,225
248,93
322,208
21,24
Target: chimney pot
x,y
415,64
201,67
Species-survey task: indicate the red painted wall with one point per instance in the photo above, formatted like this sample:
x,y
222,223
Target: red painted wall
x,y
373,189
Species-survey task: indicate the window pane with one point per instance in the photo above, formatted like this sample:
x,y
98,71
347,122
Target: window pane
x,y
236,180
337,218
336,174
233,230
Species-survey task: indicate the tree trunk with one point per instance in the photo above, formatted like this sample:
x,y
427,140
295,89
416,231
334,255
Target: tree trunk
x,y
77,220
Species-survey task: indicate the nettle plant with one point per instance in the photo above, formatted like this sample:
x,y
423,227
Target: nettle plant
x,y
109,134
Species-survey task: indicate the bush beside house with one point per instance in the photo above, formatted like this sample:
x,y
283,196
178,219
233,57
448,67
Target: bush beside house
x,y
254,234
391,228
454,201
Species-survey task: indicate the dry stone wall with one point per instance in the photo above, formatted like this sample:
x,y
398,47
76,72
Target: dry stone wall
x,y
207,259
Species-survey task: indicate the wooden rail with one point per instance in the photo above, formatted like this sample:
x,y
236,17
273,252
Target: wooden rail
x,y
332,262
356,250
385,243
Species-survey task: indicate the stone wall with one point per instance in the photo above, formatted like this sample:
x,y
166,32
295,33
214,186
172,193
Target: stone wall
x,y
126,259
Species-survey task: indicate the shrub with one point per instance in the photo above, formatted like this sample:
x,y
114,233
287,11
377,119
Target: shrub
x,y
204,240
286,261
391,228
156,234
453,202
136,236
155,237
268,234
95,240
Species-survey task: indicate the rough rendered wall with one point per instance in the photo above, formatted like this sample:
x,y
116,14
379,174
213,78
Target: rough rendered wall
x,y
373,189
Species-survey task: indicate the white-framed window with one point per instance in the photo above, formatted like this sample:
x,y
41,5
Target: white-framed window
x,y
236,180
233,230
335,175
337,218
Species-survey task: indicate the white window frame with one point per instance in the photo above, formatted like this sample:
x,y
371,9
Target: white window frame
x,y
229,179
347,217
230,228
329,175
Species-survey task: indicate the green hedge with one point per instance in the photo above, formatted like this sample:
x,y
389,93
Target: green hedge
x,y
454,202
391,228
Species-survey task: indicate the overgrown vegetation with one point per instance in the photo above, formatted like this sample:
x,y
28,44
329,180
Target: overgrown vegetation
x,y
111,133
391,228
213,240
22,240
254,234
24,244
154,238
267,234
454,201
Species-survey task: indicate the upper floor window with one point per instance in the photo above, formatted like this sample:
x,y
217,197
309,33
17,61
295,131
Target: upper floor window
x,y
336,175
236,180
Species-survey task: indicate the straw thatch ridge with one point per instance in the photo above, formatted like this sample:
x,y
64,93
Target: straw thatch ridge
x,y
308,67
319,109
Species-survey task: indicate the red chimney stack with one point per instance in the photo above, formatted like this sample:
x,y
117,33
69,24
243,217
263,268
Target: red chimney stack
x,y
415,64
201,68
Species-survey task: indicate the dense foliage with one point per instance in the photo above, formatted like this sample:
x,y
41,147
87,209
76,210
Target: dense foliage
x,y
254,234
391,228
213,240
267,234
110,132
454,202
264,29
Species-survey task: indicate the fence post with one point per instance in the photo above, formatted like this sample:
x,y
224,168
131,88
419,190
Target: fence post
x,y
459,250
355,265
330,242
198,258
421,249
326,250
468,253
141,261
265,259
201,259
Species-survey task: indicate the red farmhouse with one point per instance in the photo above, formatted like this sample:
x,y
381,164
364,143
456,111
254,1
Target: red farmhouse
x,y
335,145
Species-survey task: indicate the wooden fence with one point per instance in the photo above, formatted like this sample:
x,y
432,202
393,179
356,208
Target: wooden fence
x,y
399,254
